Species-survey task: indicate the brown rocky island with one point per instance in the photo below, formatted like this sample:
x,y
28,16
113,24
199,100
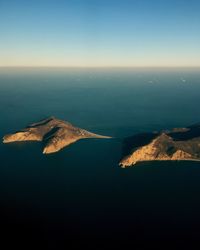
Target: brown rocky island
x,y
176,145
57,134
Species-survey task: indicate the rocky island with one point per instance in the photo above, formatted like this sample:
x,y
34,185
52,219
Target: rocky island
x,y
56,133
176,145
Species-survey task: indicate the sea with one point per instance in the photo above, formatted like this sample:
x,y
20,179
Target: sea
x,y
80,197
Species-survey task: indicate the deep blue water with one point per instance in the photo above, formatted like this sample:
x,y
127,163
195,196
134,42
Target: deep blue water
x,y
80,194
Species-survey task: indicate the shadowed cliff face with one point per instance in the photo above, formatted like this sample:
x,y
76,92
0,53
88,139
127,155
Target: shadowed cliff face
x,y
178,144
56,133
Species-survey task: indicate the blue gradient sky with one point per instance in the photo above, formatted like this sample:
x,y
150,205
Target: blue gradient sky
x,y
99,33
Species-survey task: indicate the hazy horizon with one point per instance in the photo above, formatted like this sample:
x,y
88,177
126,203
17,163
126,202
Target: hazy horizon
x,y
99,33
102,67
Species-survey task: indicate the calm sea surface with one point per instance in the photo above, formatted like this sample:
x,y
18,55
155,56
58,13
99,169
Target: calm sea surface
x,y
80,194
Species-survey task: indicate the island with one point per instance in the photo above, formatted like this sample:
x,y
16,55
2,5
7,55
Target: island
x,y
56,133
179,144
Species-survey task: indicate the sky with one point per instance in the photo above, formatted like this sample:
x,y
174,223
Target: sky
x,y
100,33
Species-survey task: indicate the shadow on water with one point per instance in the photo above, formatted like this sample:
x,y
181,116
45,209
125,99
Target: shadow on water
x,y
41,122
192,132
133,142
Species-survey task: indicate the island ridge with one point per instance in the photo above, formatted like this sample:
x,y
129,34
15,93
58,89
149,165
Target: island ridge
x,y
56,133
178,144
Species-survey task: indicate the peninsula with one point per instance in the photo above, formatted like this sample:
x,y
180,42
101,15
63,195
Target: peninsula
x,y
176,145
56,133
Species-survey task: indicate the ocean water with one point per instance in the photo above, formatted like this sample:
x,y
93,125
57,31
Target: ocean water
x,y
80,196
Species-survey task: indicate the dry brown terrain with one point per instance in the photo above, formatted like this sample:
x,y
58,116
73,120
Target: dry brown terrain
x,y
56,133
178,144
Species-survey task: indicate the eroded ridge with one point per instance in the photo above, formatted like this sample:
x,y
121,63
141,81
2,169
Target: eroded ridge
x,y
176,145
56,133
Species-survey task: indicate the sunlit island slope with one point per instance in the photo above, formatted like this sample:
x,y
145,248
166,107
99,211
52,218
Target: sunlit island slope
x,y
178,144
56,133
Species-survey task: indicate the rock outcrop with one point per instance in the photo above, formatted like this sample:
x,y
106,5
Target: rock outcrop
x,y
176,145
56,133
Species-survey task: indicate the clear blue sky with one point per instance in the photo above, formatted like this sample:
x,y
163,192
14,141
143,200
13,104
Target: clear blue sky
x,y
99,33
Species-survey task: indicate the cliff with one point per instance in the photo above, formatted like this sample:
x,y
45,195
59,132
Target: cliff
x,y
56,133
176,145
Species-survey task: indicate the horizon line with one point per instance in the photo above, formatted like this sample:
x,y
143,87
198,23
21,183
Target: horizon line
x,y
45,66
